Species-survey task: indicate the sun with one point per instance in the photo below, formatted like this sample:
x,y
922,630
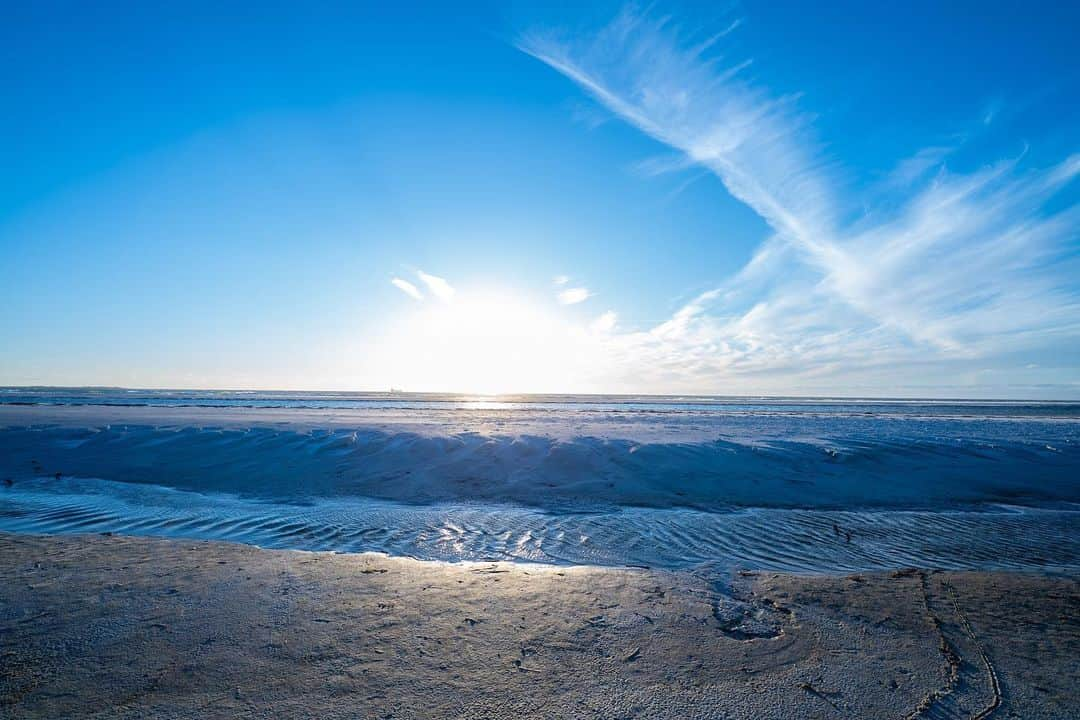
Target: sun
x,y
487,342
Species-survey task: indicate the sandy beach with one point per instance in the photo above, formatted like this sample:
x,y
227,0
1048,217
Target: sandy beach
x,y
101,626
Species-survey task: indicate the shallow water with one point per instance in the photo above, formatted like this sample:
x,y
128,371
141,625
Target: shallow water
x,y
994,537
776,484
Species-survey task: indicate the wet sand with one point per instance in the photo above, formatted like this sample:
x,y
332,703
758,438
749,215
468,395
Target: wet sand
x,y
95,626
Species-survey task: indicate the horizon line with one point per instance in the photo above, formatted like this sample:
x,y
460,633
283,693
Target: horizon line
x,y
452,393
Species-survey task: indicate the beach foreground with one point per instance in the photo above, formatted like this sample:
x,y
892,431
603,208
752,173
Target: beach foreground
x,y
98,626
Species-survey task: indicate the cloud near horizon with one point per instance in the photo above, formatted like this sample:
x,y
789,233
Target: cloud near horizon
x,y
953,271
437,286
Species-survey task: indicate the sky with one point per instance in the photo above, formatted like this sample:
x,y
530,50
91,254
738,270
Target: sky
x,y
748,198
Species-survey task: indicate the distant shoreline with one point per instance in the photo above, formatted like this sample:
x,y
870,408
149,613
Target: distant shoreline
x,y
540,398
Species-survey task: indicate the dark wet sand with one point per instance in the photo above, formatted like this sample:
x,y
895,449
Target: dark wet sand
x,y
96,626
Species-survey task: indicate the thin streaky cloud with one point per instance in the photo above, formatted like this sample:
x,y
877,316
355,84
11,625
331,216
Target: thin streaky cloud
x,y
560,280
940,267
408,288
663,165
912,169
754,143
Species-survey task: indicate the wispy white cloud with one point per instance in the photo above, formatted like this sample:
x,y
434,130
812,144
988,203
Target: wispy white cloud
x,y
408,288
560,280
573,296
758,146
937,267
912,169
437,286
605,323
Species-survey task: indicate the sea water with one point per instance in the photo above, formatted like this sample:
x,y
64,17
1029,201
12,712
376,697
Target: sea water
x,y
792,484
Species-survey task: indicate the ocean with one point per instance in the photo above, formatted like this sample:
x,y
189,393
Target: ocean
x,y
709,483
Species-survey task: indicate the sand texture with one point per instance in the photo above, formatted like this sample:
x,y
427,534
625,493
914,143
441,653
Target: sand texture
x,y
94,626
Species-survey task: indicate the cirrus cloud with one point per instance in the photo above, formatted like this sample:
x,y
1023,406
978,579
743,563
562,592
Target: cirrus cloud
x,y
954,272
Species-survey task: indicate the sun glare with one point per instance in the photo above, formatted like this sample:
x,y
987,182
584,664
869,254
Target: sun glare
x,y
488,343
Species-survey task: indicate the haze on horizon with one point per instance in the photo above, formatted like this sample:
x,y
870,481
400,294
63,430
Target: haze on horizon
x,y
864,201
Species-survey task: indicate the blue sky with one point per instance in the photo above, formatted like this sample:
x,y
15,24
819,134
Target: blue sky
x,y
755,198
